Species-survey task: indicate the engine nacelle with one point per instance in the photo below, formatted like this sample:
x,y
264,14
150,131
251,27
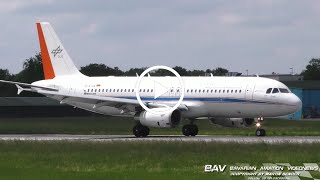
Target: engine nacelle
x,y
233,122
168,120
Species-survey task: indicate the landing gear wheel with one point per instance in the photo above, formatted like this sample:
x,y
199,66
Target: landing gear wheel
x,y
260,132
190,130
194,130
140,131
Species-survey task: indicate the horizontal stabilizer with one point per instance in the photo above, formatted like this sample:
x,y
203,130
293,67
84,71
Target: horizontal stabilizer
x,y
21,86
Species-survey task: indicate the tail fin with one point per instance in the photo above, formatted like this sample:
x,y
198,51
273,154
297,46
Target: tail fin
x,y
55,59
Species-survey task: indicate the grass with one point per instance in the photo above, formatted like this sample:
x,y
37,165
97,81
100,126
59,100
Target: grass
x,y
119,125
140,160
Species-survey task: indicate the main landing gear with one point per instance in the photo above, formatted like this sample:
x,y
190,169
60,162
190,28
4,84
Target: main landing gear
x,y
140,130
190,130
260,131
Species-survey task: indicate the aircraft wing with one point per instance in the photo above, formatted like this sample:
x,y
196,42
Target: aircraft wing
x,y
97,101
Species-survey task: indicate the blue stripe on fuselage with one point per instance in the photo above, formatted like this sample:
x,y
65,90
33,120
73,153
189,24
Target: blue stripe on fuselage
x,y
197,99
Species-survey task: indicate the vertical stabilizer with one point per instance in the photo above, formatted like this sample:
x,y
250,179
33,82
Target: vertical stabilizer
x,y
55,59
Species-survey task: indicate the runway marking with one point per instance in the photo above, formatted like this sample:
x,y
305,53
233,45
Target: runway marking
x,y
168,138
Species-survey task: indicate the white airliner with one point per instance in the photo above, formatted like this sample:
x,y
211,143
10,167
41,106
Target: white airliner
x,y
227,101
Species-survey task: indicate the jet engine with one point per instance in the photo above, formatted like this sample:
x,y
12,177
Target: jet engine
x,y
168,120
233,122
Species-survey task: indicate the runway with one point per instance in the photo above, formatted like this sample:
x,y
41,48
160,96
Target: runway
x,y
168,138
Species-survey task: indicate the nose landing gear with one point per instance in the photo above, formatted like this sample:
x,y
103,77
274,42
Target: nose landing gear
x,y
260,131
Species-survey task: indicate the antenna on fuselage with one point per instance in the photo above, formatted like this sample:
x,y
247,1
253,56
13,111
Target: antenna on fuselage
x,y
257,75
137,75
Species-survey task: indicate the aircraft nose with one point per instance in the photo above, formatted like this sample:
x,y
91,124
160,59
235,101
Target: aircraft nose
x,y
295,100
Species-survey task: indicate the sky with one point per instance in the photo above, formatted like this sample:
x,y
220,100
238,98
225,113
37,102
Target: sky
x,y
261,36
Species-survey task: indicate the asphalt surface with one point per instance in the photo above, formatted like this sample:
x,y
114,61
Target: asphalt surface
x,y
131,138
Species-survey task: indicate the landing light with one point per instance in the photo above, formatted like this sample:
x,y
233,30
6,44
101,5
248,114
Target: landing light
x,y
258,124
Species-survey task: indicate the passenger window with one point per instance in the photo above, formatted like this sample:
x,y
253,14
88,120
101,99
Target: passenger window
x,y
191,90
275,90
227,91
235,91
223,91
239,91
269,90
283,90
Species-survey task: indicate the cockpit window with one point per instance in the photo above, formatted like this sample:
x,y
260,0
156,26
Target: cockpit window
x,y
269,90
275,90
283,90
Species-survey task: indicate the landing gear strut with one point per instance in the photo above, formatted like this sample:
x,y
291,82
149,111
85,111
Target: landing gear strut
x,y
140,130
190,130
260,131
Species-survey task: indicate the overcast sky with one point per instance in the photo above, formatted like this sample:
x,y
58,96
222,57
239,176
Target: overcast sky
x,y
261,36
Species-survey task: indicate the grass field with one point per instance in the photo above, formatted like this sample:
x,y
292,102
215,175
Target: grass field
x,y
117,125
140,160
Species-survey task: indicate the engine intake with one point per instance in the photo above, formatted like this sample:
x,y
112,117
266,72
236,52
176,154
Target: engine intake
x,y
168,120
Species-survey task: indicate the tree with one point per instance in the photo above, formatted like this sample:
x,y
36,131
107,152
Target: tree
x,y
7,90
32,70
134,71
312,71
181,71
4,74
220,71
100,70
